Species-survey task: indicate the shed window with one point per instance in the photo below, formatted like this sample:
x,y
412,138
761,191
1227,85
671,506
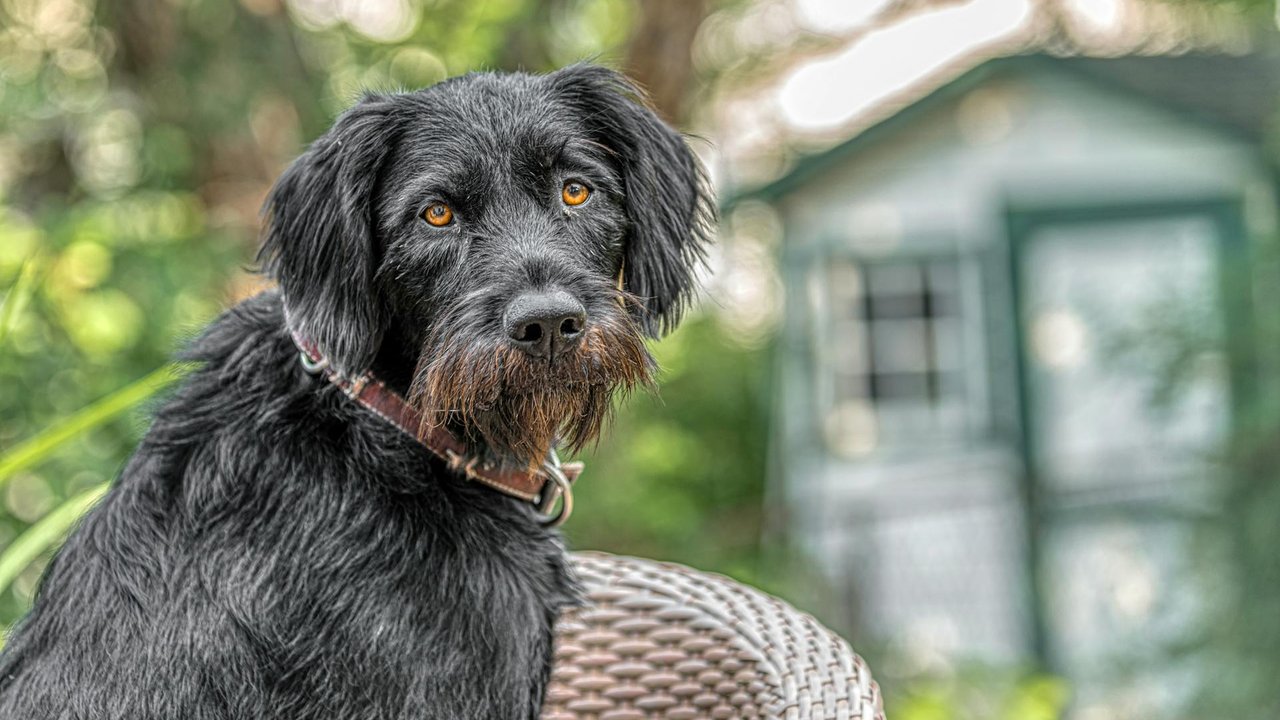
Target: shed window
x,y
897,355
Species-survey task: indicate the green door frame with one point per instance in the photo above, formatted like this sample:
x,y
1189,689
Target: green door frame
x,y
1227,215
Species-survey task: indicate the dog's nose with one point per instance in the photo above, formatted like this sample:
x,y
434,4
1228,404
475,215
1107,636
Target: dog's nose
x,y
545,324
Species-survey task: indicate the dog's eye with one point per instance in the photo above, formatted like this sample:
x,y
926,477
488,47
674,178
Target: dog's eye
x,y
438,214
575,193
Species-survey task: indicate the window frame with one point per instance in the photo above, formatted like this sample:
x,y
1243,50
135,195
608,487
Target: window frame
x,y
971,373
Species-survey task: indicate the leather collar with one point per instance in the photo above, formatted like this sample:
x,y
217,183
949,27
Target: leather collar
x,y
541,488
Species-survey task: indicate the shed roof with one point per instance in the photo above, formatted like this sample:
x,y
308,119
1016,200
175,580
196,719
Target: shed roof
x,y
1234,94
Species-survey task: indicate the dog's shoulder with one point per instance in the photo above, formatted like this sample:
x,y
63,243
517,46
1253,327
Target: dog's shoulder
x,y
244,381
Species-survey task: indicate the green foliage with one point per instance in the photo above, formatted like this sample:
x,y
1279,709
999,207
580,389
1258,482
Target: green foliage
x,y
1240,626
1259,6
16,298
981,694
681,475
50,440
45,534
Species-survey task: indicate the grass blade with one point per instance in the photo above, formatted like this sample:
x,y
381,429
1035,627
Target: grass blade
x,y
17,297
39,448
47,532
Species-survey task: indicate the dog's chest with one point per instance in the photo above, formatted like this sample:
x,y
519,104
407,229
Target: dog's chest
x,y
399,602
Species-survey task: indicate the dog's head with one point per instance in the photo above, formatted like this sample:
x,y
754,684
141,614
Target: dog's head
x,y
509,238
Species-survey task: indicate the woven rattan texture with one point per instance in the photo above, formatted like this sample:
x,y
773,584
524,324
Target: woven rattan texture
x,y
657,640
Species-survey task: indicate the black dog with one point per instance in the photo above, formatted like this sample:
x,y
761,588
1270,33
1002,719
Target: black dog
x,y
291,539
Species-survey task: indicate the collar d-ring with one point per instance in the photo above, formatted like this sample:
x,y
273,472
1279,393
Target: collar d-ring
x,y
559,488
311,365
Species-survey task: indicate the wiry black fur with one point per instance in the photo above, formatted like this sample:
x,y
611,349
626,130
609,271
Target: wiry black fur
x,y
273,550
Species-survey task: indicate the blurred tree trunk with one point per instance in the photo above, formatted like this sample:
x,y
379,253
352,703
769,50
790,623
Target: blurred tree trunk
x,y
145,31
660,52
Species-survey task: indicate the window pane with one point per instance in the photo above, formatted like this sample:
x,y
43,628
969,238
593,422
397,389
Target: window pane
x,y
895,279
898,306
948,344
942,277
897,349
898,386
851,386
900,345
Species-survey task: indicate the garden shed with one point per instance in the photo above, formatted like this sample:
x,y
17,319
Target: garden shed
x,y
1017,334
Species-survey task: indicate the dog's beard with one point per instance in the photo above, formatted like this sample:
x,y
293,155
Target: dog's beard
x,y
512,407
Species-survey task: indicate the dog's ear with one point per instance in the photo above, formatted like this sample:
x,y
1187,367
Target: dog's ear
x,y
319,242
668,203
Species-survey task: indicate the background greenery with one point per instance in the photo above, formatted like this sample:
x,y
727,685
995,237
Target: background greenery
x,y
137,139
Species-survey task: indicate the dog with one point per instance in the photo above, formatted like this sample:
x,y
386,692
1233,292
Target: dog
x,y
346,510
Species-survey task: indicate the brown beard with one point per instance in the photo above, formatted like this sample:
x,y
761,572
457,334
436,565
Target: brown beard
x,y
517,406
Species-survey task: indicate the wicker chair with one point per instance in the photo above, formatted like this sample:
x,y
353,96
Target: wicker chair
x,y
657,640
